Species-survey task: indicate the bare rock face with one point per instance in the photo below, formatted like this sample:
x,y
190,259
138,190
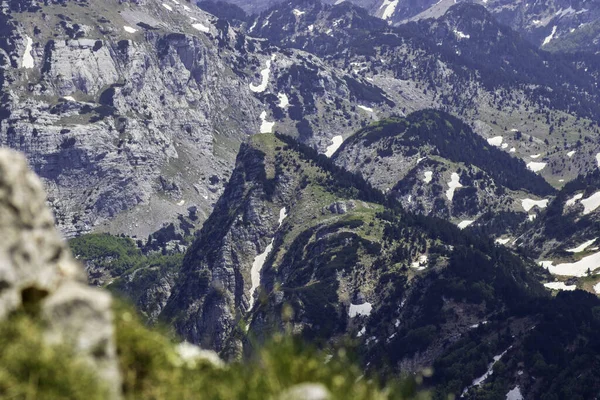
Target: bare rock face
x,y
37,271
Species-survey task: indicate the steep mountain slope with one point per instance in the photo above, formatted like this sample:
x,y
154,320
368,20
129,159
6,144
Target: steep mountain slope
x,y
541,104
298,245
555,25
136,112
435,164
564,238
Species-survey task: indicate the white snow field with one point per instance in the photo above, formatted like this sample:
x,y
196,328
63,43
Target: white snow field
x,y
257,266
283,100
514,394
453,185
571,202
361,309
560,286
597,287
168,7
502,241
428,176
581,247
282,215
201,27
129,29
421,263
265,126
578,268
550,37
598,159
488,373
571,153
461,35
528,204
536,166
27,61
265,73
464,224
390,7
591,203
535,156
495,141
336,142
365,108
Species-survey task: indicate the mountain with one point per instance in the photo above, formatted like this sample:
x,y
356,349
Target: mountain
x,y
297,244
62,339
136,112
464,63
554,25
435,164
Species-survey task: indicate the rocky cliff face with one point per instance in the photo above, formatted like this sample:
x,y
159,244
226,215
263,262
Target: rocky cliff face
x,y
436,165
37,273
555,25
138,114
297,242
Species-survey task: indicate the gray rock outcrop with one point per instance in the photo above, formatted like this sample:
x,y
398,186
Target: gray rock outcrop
x,y
37,272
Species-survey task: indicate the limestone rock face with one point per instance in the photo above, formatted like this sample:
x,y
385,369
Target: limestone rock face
x,y
38,271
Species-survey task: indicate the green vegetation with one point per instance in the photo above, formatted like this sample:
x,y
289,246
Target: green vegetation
x,y
152,368
118,255
29,369
453,140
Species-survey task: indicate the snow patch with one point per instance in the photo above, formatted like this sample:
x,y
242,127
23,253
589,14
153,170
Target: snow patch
x,y
460,35
488,373
591,203
282,215
367,109
504,145
512,150
390,7
581,247
536,166
464,224
502,241
535,156
265,73
168,7
428,176
360,309
597,287
421,263
598,159
129,29
571,202
265,126
201,27
453,185
514,394
297,12
27,61
528,204
182,202
579,268
69,98
336,142
257,265
495,141
571,153
283,100
560,286
550,37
